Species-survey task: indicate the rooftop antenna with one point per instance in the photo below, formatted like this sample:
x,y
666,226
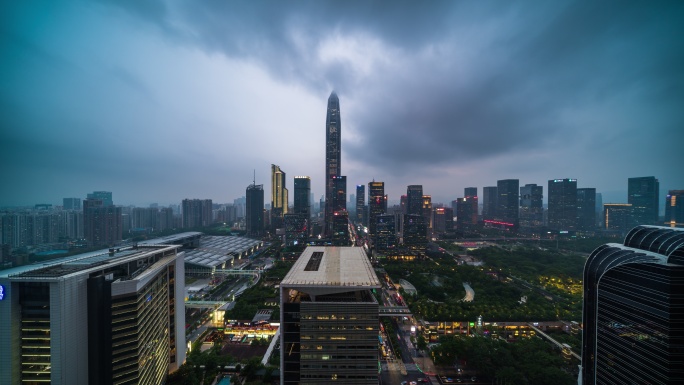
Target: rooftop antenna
x,y
254,181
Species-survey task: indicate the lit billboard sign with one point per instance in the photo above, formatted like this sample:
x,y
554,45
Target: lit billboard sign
x,y
2,292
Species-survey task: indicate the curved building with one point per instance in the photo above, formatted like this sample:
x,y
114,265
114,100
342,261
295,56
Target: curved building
x,y
633,311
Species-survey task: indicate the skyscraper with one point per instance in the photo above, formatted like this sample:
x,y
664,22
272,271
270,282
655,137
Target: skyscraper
x,y
427,211
618,216
586,209
415,232
339,196
386,237
466,212
414,199
508,201
360,202
563,204
674,208
71,203
632,314
279,196
531,207
254,210
302,193
470,192
376,204
333,152
643,195
489,204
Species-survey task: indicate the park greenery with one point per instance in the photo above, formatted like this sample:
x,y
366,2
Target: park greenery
x,y
527,361
439,282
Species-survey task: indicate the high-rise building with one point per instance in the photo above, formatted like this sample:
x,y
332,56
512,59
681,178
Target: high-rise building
x,y
376,204
104,196
254,210
71,203
643,195
466,212
427,211
197,213
101,224
360,202
531,206
279,198
562,204
470,192
489,204
414,199
618,216
674,208
586,209
386,232
415,232
296,229
599,210
333,152
329,318
100,318
632,314
302,194
339,196
340,229
508,201
439,219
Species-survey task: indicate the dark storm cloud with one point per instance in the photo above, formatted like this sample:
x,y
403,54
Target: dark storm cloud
x,y
523,67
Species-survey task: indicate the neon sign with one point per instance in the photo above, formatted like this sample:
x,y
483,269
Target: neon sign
x,y
2,292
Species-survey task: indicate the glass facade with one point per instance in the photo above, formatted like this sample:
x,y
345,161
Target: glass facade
x,y
634,310
333,152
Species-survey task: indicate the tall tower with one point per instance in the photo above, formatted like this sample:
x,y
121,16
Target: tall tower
x,y
278,196
643,194
302,191
414,199
507,201
562,204
333,152
376,204
254,210
360,202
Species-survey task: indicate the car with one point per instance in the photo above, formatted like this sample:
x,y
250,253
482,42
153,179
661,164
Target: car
x,y
413,383
423,380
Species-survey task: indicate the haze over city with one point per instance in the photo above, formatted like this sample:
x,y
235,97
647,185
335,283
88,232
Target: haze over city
x,y
157,102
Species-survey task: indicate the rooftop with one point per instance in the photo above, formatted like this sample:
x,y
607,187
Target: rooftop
x,y
332,266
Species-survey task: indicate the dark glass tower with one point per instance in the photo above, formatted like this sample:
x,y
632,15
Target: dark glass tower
x,y
339,196
254,211
507,199
360,202
531,208
563,204
633,313
302,193
674,208
489,196
586,209
333,152
643,196
414,199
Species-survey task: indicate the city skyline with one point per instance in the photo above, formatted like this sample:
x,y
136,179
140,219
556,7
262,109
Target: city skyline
x,y
127,99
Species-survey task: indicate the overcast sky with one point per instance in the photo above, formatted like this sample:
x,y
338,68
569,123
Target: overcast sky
x,y
161,101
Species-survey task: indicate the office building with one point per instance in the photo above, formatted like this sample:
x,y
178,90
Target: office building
x,y
617,216
531,206
586,209
439,219
340,229
376,204
508,202
632,315
112,317
643,194
296,229
71,203
562,215
329,318
386,232
333,152
254,210
415,232
104,196
466,213
599,210
360,203
489,196
339,196
470,192
674,208
414,199
427,211
102,225
279,198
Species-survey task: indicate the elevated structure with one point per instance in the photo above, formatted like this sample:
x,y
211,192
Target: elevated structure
x,y
333,155
329,318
